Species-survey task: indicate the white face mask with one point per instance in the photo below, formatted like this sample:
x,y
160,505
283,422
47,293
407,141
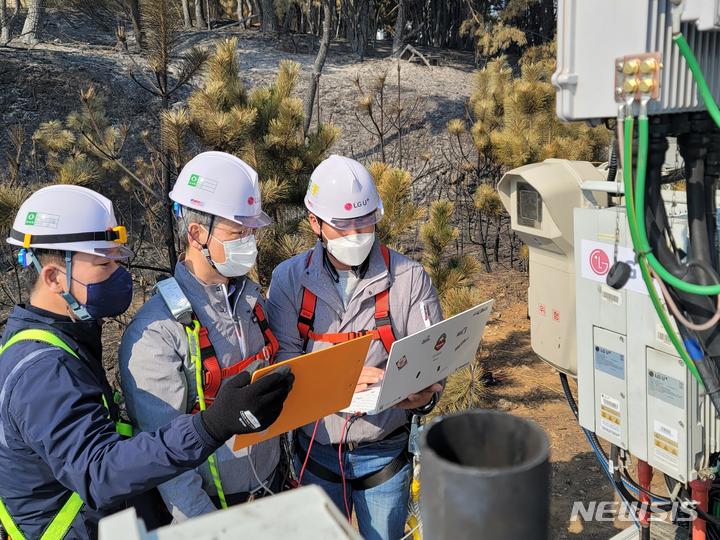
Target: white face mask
x,y
353,249
240,256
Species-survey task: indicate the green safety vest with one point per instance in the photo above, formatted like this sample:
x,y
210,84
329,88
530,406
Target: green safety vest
x,y
193,334
60,524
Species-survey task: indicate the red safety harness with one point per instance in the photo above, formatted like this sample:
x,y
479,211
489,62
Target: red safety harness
x,y
213,374
383,329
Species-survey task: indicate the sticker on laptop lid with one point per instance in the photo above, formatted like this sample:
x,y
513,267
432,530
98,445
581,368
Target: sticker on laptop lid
x,y
425,313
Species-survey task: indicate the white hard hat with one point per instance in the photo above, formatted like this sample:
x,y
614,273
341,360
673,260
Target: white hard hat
x,y
69,218
222,185
342,193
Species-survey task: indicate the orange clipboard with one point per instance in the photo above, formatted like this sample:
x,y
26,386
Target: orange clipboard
x,y
324,384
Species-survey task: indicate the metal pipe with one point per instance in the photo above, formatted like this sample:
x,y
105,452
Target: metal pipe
x,y
485,474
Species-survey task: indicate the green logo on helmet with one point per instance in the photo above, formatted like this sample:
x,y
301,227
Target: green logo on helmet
x,y
194,179
30,219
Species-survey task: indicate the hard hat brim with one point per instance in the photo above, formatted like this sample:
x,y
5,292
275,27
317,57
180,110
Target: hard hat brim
x,y
254,222
116,253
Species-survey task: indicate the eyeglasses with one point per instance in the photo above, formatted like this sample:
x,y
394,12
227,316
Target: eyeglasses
x,y
348,224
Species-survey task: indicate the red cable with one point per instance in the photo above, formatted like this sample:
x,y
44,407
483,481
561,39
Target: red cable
x,y
342,470
307,455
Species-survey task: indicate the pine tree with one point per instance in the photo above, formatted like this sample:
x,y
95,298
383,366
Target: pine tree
x,y
454,278
452,275
512,122
514,119
263,126
506,27
401,214
161,21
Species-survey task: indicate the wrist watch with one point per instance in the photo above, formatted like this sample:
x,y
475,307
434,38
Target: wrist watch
x,y
425,409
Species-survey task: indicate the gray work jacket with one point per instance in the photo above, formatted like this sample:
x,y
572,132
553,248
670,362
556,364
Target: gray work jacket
x,y
158,382
411,291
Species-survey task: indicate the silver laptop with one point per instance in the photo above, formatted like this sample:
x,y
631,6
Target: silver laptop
x,y
424,358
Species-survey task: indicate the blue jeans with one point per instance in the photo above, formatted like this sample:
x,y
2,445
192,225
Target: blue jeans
x,y
381,511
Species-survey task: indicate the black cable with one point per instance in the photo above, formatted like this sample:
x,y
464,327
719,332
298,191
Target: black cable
x,y
652,507
671,482
697,307
568,394
707,517
637,486
574,408
693,152
613,163
350,424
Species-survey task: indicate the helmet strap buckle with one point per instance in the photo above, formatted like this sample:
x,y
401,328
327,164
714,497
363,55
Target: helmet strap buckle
x,y
77,308
206,252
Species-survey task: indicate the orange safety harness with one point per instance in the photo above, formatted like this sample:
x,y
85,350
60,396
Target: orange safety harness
x,y
383,329
213,374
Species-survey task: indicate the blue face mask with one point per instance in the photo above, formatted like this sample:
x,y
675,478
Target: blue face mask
x,y
107,298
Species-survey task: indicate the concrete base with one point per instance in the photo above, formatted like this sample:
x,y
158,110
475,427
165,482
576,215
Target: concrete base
x,y
300,514
658,531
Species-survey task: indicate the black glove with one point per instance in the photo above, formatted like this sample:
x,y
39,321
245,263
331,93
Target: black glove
x,y
241,407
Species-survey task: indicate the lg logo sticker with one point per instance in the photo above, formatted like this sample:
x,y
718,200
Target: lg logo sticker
x,y
349,206
599,262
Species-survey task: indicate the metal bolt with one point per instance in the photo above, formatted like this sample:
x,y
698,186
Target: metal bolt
x,y
648,65
631,66
631,86
646,85
618,91
619,65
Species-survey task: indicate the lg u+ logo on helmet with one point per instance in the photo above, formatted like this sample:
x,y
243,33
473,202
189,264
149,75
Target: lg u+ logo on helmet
x,y
349,206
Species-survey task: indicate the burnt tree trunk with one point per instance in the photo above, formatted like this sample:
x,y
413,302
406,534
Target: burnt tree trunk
x,y
199,16
4,24
31,29
187,21
328,8
133,10
269,20
357,18
399,28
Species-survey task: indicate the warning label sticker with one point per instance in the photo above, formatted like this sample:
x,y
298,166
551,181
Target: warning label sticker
x,y
666,443
610,415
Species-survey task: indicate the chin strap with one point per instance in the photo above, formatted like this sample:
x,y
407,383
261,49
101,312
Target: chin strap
x,y
29,257
205,248
77,308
